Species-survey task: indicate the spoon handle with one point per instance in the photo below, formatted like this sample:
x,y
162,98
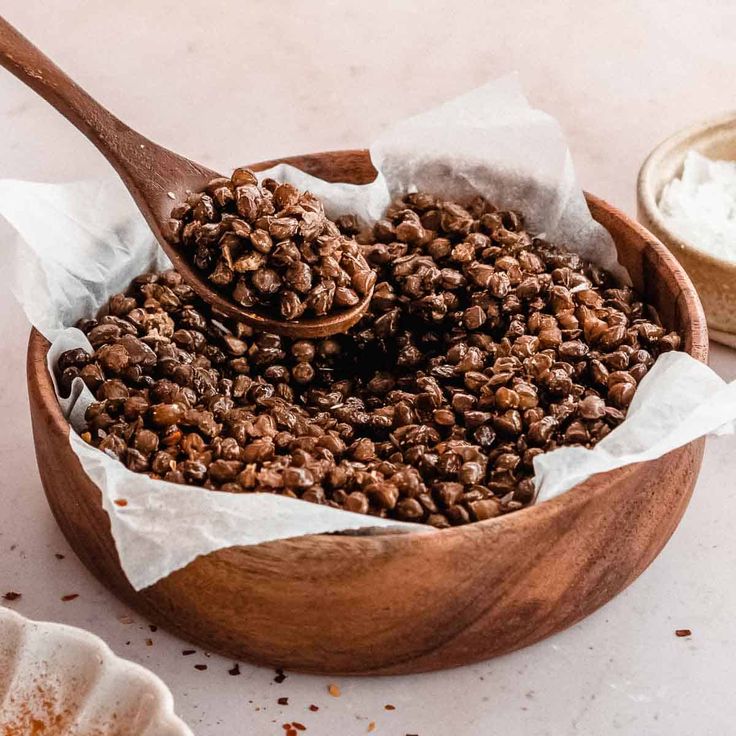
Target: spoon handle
x,y
146,168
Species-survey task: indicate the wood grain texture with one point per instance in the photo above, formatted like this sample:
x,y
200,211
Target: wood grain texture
x,y
155,177
396,603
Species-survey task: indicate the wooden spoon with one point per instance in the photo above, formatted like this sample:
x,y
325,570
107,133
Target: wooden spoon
x,y
155,177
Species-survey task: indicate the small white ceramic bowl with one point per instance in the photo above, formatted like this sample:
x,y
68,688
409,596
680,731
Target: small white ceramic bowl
x,y
56,680
713,278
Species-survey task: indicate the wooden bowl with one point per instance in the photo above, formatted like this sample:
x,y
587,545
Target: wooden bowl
x,y
714,278
400,603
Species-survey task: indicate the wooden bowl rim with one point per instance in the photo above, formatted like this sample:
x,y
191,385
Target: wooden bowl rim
x,y
524,518
645,186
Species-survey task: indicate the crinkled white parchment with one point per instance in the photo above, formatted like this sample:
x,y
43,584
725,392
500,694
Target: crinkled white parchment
x,y
80,243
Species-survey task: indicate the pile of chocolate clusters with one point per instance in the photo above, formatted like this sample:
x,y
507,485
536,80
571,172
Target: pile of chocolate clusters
x,y
270,246
483,347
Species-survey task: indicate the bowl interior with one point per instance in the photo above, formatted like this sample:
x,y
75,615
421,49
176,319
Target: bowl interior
x,y
57,679
715,140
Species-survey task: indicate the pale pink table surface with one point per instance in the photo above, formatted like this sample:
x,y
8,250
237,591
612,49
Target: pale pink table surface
x,y
230,82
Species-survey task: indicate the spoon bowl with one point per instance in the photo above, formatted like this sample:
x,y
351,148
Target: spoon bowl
x,y
155,177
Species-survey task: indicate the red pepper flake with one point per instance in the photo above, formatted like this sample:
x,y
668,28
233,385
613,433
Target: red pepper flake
x,y
286,726
280,676
234,670
120,502
313,708
283,701
149,642
70,597
200,667
333,690
187,652
60,556
371,726
291,732
299,726
389,707
683,632
11,595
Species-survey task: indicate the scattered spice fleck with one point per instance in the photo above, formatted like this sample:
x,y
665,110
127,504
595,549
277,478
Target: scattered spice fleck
x,y
333,690
187,652
389,707
683,632
371,726
149,642
200,667
283,701
11,595
314,708
59,556
280,676
291,732
234,670
299,726
120,502
153,628
69,597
